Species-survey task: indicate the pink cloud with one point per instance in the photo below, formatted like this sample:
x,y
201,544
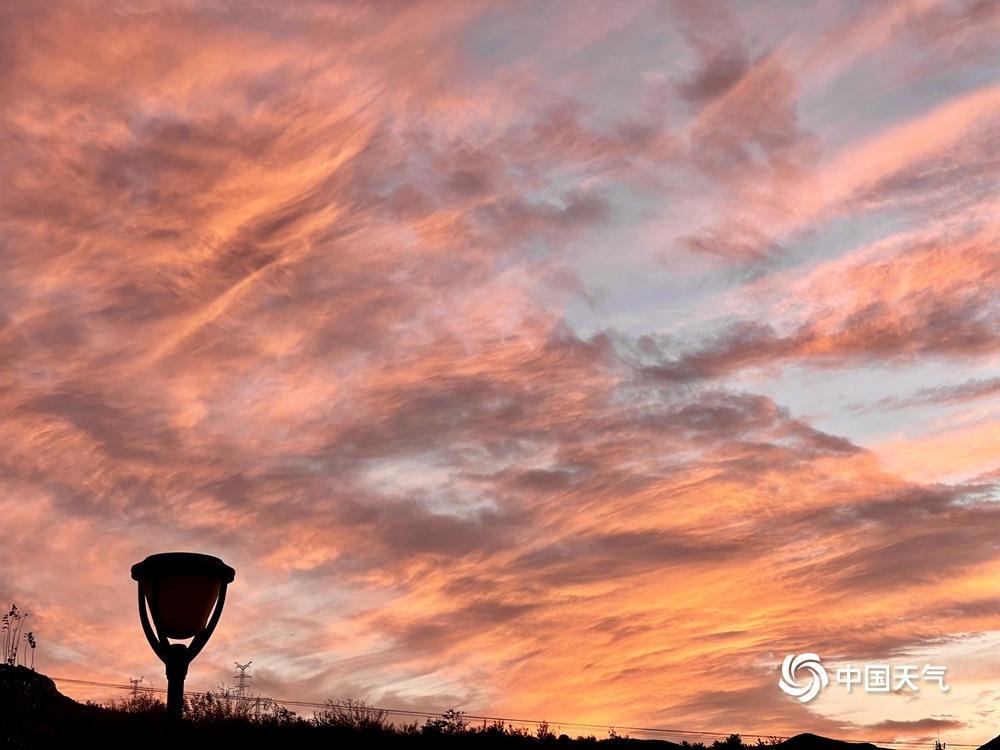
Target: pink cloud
x,y
296,288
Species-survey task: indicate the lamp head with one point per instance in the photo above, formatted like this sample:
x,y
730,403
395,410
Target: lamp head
x,y
182,589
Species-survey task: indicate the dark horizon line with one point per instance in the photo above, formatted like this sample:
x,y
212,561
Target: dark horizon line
x,y
550,722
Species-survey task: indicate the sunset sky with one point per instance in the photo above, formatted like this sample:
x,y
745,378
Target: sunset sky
x,y
560,360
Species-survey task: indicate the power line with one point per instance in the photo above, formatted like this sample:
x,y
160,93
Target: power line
x,y
508,720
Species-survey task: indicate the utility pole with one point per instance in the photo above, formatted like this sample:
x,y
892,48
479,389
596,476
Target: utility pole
x,y
135,685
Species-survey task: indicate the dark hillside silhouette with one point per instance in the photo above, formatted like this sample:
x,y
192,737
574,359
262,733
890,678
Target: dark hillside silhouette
x,y
807,741
34,714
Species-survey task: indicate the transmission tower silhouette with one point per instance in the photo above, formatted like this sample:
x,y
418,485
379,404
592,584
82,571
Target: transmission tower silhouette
x,y
242,679
135,685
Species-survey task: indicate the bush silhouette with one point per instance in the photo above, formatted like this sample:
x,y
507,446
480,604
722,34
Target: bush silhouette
x,y
352,715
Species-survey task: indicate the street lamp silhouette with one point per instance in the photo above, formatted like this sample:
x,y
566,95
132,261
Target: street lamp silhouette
x,y
180,589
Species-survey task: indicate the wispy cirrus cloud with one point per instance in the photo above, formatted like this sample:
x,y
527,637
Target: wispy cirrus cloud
x,y
970,390
292,285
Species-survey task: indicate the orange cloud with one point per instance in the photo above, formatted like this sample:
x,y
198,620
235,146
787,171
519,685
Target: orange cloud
x,y
297,287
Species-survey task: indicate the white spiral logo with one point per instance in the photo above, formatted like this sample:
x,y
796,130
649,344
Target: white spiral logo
x,y
818,678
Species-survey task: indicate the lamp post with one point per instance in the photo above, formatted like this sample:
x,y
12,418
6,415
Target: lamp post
x,y
184,592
